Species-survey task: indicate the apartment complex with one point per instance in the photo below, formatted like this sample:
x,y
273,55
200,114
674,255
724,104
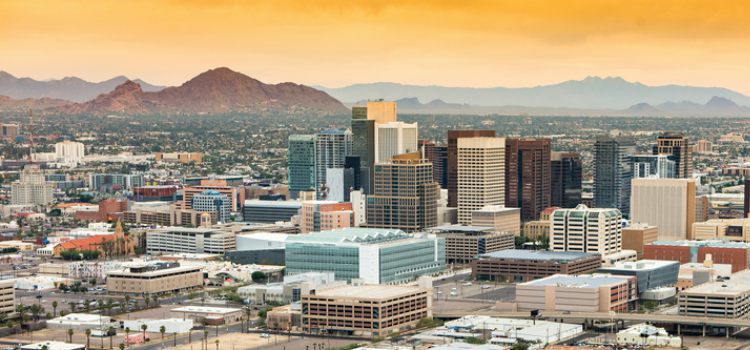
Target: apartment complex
x,y
525,265
463,244
667,203
726,299
528,175
31,188
481,175
584,229
384,256
585,293
189,240
503,219
405,195
154,278
325,216
366,310
452,149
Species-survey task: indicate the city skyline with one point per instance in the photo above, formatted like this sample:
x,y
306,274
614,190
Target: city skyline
x,y
485,44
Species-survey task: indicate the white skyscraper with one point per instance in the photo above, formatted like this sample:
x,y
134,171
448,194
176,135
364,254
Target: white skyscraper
x,y
394,138
31,188
481,175
588,230
69,152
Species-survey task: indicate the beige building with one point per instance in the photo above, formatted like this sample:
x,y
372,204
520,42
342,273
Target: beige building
x,y
7,296
694,274
535,230
667,203
723,229
581,293
726,299
21,246
179,157
637,235
381,111
154,278
501,218
463,244
166,215
481,175
588,230
368,310
174,239
210,314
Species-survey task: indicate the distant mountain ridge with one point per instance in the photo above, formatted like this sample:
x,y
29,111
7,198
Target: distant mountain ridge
x,y
68,88
216,91
589,93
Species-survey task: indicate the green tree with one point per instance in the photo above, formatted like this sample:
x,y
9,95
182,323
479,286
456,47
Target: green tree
x,y
144,327
88,338
162,330
54,308
70,335
258,277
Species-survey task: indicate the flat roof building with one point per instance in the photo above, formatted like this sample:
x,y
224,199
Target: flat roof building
x,y
589,230
635,236
726,299
270,211
370,310
502,218
651,274
583,293
464,243
154,278
7,296
724,229
667,203
373,255
525,265
189,240
736,254
211,314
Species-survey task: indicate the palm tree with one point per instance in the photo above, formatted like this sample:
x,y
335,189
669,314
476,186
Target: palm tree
x,y
217,344
54,308
146,300
72,306
20,309
88,338
155,299
174,337
70,335
121,346
162,330
110,333
144,327
127,334
45,347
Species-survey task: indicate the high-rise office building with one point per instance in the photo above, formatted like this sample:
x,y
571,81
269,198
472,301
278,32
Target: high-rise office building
x,y
480,174
453,136
318,216
31,187
613,170
567,176
438,156
213,201
404,196
588,230
669,204
331,148
528,175
653,166
301,164
364,120
394,138
677,147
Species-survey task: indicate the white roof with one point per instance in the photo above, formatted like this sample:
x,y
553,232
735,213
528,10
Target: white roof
x,y
53,345
367,291
206,309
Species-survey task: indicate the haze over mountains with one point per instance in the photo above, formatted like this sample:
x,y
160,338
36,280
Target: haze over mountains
x,y
216,91
68,88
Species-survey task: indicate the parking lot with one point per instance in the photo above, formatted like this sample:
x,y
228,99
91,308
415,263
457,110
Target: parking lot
x,y
463,289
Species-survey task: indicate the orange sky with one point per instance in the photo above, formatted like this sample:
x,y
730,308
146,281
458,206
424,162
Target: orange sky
x,y
335,43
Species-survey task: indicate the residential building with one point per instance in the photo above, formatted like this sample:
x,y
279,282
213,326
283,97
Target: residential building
x,y
210,201
7,296
405,195
524,265
613,171
115,182
736,254
318,216
528,175
189,240
650,274
331,148
481,174
725,299
567,177
637,235
270,211
657,166
502,218
667,203
703,146
722,229
463,244
301,168
453,137
589,230
384,256
154,278
394,138
584,293
677,147
31,189
367,310
69,152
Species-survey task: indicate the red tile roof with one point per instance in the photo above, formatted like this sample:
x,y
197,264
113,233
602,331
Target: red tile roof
x,y
88,243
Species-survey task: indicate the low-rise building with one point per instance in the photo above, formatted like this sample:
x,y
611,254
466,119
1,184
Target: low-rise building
x,y
290,290
53,345
464,243
502,218
582,293
18,245
723,229
736,254
81,322
270,211
171,325
647,335
369,310
536,230
637,235
189,240
7,296
154,278
651,274
525,265
695,274
209,314
726,299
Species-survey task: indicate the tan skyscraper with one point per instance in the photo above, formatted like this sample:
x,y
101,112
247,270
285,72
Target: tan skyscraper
x,y
481,174
669,204
677,147
381,111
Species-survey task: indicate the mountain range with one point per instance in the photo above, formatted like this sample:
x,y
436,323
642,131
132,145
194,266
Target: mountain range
x,y
589,93
216,91
68,88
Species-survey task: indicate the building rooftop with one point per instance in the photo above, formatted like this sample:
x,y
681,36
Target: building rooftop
x,y
640,265
739,283
356,235
206,309
522,254
367,291
578,281
273,204
495,209
707,243
461,228
53,345
145,271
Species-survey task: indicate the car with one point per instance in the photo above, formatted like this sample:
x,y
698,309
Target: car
x,y
440,292
486,287
265,335
454,293
467,284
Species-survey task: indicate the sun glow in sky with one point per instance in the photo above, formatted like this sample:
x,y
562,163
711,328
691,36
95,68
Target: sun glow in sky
x,y
335,43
